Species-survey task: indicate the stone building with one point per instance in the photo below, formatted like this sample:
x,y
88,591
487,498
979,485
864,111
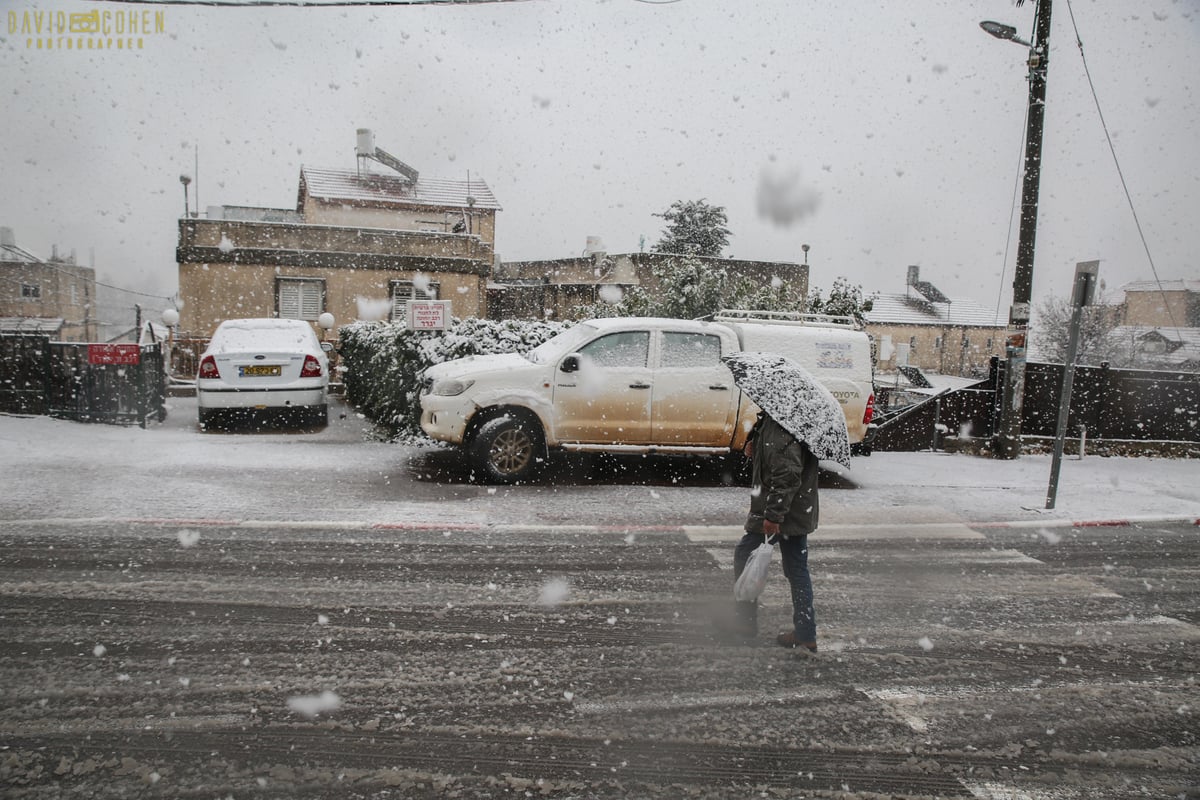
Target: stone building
x,y
1169,303
560,288
360,244
55,296
925,328
1160,326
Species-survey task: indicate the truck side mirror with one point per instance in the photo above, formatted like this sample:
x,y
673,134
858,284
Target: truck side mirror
x,y
570,363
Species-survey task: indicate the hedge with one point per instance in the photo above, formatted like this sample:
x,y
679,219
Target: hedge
x,y
382,361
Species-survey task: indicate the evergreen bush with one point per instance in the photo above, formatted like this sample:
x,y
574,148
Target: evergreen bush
x,y
382,361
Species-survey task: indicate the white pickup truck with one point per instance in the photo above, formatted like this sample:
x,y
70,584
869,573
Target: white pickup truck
x,y
635,385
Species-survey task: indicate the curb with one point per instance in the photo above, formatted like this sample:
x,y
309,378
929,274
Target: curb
x,y
690,530
1097,523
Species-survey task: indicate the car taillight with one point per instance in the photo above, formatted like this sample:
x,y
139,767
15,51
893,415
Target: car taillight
x,y
870,411
208,368
312,368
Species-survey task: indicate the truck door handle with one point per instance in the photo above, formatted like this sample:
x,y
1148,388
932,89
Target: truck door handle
x,y
639,386
719,387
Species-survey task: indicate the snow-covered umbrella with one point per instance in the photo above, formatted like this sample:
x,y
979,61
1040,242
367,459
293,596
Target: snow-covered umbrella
x,y
791,396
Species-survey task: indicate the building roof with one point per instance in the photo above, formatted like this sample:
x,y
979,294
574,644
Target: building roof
x,y
1183,285
1185,342
347,185
901,309
31,324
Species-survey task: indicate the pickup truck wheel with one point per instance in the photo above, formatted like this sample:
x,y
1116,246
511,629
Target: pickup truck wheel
x,y
506,449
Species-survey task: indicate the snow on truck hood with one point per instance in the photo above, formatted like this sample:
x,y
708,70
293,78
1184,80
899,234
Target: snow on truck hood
x,y
498,362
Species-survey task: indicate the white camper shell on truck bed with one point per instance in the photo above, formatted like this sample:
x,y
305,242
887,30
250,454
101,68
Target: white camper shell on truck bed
x,y
634,385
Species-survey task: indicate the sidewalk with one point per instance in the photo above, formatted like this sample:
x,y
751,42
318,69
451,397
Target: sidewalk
x,y
69,470
1093,491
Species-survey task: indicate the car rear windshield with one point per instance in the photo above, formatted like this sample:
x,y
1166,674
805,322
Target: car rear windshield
x,y
244,336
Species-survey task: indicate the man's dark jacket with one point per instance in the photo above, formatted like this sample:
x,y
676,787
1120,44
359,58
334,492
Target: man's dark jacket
x,y
784,482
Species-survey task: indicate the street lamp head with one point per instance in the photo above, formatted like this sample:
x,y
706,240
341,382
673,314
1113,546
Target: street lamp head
x,y
1001,31
185,180
170,317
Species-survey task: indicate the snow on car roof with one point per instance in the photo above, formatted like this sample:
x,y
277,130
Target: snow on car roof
x,y
263,333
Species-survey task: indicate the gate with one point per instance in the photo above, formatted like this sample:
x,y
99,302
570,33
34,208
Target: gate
x,y
24,363
123,383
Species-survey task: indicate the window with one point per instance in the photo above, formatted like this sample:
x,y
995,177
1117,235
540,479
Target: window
x,y
937,343
625,349
404,291
31,291
691,350
300,298
912,343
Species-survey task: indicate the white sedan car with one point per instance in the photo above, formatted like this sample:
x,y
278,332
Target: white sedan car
x,y
259,368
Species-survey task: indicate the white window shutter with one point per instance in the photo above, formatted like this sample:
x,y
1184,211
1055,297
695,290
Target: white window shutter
x,y
310,303
289,300
300,299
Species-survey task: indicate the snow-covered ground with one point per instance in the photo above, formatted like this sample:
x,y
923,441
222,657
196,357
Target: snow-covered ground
x,y
58,468
1094,488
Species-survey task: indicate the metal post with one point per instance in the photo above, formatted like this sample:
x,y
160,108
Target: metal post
x,y
937,422
1085,280
1008,440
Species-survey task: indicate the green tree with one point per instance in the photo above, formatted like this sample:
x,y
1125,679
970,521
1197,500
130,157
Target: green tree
x,y
690,288
694,228
844,299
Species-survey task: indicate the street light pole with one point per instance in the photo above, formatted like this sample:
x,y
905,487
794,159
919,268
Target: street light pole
x,y
1008,434
185,180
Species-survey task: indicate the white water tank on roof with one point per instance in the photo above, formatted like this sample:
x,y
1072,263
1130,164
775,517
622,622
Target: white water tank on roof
x,y
595,245
366,143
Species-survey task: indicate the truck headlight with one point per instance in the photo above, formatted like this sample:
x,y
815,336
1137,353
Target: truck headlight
x,y
450,387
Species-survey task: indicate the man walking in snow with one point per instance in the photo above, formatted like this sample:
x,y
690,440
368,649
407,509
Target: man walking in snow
x,y
783,508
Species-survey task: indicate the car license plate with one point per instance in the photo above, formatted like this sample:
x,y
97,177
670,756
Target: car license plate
x,y
259,371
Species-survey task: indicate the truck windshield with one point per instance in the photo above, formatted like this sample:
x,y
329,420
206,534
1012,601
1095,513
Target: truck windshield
x,y
566,342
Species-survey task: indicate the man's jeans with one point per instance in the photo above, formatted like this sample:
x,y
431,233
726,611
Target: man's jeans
x,y
793,551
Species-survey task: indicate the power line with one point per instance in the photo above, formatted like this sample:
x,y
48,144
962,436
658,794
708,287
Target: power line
x,y
54,266
303,3
1012,213
1124,186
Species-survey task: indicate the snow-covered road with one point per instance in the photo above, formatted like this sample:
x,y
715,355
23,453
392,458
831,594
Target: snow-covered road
x,y
322,614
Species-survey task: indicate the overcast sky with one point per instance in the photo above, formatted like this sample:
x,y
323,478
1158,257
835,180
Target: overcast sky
x,y
890,132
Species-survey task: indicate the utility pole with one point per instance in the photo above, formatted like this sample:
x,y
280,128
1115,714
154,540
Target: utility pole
x,y
1008,434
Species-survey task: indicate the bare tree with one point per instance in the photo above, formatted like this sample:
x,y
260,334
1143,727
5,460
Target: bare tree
x,y
1097,344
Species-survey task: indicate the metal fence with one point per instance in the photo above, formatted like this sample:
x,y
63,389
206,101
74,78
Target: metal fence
x,y
1106,405
123,384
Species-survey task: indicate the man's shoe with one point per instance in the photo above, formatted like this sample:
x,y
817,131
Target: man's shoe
x,y
788,639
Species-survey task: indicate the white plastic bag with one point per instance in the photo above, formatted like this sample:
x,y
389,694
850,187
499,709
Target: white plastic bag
x,y
753,579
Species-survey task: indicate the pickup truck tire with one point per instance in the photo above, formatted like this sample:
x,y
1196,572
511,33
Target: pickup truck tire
x,y
507,449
